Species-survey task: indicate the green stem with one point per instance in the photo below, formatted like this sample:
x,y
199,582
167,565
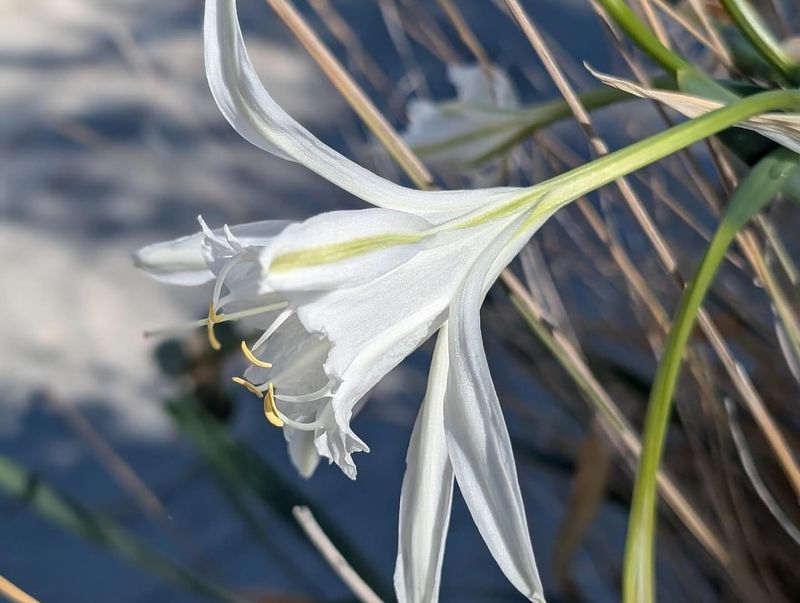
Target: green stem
x,y
684,72
552,194
760,185
554,111
526,120
643,36
586,178
755,30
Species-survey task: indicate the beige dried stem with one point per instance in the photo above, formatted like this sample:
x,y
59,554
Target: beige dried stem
x,y
347,37
700,10
654,22
14,593
741,380
692,29
613,420
467,36
124,475
735,370
331,554
353,94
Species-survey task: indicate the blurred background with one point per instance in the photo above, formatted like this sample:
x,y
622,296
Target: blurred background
x,y
110,140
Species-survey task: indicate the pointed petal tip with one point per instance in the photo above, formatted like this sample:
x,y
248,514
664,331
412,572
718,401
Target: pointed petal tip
x,y
176,262
251,110
348,467
427,493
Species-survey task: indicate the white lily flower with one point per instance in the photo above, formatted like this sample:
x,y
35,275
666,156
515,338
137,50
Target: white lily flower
x,y
342,298
460,132
783,128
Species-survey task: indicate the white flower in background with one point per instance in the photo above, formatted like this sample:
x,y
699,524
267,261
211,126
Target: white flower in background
x,y
342,298
783,128
464,131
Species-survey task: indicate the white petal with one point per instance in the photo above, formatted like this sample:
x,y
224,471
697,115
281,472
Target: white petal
x,y
474,88
297,357
178,262
479,445
182,261
458,132
380,313
510,248
342,248
374,326
427,493
258,118
254,234
302,450
338,444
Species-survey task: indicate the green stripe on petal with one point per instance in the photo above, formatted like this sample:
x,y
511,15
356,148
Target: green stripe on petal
x,y
328,254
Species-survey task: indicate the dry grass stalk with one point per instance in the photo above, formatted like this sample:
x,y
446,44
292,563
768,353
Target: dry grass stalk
x,y
739,378
14,593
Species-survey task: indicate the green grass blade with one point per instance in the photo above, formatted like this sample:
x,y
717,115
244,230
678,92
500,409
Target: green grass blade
x,y
762,183
61,510
643,36
243,469
755,30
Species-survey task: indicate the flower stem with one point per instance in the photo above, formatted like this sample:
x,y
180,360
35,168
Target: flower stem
x,y
586,178
524,121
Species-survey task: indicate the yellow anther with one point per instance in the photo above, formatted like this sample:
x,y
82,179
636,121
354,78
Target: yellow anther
x,y
213,318
248,386
252,358
270,411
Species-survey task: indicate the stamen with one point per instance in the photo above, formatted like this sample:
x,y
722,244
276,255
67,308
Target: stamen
x,y
252,358
247,385
223,274
310,397
311,426
213,318
270,411
220,318
276,324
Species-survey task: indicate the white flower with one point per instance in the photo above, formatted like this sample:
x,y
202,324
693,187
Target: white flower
x,y
342,298
463,131
783,128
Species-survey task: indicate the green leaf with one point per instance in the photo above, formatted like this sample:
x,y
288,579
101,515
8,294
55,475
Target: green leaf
x,y
67,514
763,182
692,81
643,36
791,189
750,147
750,24
746,58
